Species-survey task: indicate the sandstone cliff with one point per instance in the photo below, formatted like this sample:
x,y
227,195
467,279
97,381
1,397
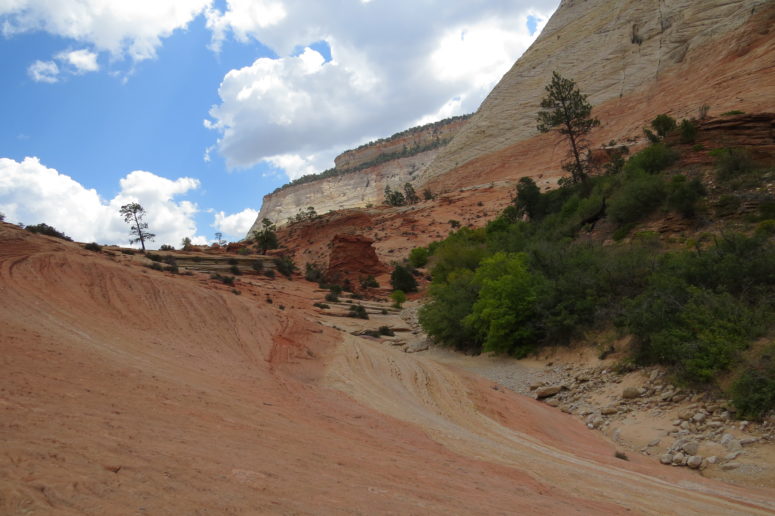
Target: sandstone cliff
x,y
634,59
360,175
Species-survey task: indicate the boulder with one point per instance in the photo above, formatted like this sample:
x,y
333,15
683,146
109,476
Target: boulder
x,y
545,392
666,459
691,447
630,393
694,461
417,347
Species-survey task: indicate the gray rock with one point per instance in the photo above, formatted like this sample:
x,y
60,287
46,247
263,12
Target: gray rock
x,y
417,347
666,459
712,459
732,456
631,393
748,440
694,461
545,392
679,459
653,443
699,417
729,442
607,411
691,447
730,465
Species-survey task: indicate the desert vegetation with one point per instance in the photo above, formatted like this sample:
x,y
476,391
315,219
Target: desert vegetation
x,y
535,276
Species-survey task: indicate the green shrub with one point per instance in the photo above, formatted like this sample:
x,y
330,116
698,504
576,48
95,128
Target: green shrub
x,y
45,229
269,273
732,113
369,282
94,246
322,306
402,279
683,195
688,131
753,393
128,252
652,159
226,280
732,162
154,257
313,272
332,297
235,270
166,247
418,257
454,223
358,312
506,304
450,303
398,297
385,330
235,292
258,265
640,195
727,205
243,251
285,265
663,125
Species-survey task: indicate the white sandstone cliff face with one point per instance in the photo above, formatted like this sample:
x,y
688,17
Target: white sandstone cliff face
x,y
354,190
611,48
360,188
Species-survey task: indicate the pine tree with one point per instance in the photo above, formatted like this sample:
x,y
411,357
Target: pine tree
x,y
134,214
566,110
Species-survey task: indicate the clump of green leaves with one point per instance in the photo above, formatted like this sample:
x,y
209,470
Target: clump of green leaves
x,y
402,279
45,229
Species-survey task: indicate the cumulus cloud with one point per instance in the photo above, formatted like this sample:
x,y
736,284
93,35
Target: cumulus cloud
x,y
393,64
44,71
32,193
81,61
123,28
236,225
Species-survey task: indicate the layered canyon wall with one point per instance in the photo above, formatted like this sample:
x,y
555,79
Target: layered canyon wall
x,y
362,174
633,58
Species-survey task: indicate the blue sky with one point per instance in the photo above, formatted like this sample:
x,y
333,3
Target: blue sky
x,y
197,109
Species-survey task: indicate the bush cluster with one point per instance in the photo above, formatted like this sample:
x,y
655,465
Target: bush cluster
x,y
516,285
45,229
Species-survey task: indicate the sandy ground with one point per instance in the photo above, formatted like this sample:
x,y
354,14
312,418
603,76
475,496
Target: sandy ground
x,y
130,391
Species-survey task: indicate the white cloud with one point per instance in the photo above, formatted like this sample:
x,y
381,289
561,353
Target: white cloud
x,y
236,225
32,193
132,28
392,65
81,61
243,18
44,71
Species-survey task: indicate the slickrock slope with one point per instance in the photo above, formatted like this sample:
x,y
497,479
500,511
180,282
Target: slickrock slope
x,y
634,59
125,390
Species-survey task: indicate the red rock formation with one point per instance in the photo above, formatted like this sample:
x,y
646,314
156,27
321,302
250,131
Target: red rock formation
x,y
353,257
